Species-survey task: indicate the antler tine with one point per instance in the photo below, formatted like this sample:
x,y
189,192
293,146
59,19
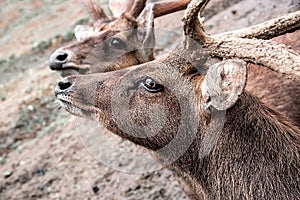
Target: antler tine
x,y
269,29
95,10
137,8
193,26
166,7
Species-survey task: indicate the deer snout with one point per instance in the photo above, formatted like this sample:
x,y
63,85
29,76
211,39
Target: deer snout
x,y
58,58
63,86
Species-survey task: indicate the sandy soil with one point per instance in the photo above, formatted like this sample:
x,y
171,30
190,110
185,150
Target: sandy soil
x,y
41,153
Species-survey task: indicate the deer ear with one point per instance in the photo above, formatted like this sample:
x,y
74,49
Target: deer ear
x,y
82,32
118,7
223,83
145,31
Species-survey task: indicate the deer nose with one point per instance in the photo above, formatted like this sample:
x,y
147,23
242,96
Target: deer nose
x,y
63,86
58,58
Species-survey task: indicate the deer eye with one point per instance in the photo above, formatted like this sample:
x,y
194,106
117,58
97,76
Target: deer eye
x,y
151,86
118,43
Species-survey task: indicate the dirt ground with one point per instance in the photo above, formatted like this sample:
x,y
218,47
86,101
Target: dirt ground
x,y
42,156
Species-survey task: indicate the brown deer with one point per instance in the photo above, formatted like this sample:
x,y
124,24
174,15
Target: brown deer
x,y
114,42
255,153
113,47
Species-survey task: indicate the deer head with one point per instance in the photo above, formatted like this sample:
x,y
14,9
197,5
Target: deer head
x,y
176,112
149,87
114,42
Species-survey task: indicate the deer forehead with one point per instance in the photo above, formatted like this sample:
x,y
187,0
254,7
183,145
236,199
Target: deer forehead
x,y
121,24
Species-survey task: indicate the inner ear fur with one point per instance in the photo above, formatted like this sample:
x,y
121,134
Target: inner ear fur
x,y
224,83
119,7
146,23
83,31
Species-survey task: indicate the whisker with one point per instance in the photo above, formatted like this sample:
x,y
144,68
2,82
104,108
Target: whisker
x,y
57,105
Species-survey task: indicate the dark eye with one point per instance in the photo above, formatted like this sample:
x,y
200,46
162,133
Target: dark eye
x,y
118,43
151,86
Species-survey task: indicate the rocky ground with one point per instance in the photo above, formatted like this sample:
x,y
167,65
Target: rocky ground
x,y
42,156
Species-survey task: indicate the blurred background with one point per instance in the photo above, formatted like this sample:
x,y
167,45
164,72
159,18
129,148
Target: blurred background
x,y
41,156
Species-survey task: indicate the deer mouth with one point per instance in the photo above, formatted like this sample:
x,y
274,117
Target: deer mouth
x,y
81,68
69,69
67,103
75,107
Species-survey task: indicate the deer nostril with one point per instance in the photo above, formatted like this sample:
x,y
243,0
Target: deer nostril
x,y
62,57
64,85
58,58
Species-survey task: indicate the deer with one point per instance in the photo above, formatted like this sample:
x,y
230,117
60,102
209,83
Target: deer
x,y
123,29
231,144
90,54
256,155
113,40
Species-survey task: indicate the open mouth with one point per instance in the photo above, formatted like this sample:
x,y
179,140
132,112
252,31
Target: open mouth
x,y
76,108
65,101
82,69
70,66
70,107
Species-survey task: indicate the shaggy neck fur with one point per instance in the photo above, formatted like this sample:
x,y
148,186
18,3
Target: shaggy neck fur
x,y
256,157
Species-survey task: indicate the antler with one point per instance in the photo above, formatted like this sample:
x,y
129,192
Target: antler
x,y
169,6
228,45
166,7
193,26
96,11
137,8
267,53
269,29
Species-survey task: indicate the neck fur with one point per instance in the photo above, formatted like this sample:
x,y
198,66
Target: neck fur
x,y
257,155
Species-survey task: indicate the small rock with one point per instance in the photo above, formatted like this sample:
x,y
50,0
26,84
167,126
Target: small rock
x,y
22,163
137,187
69,36
95,189
2,61
3,98
234,12
2,160
12,57
28,90
7,174
30,107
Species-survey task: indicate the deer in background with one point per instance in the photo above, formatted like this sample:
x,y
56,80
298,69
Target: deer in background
x,y
256,154
114,44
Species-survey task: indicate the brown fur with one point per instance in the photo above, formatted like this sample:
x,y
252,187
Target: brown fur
x,y
95,54
270,87
281,94
257,155
273,88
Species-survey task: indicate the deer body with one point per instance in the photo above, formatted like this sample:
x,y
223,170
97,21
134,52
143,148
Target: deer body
x,y
256,154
